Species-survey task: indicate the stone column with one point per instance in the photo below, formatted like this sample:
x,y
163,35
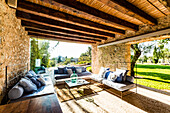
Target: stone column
x,y
95,64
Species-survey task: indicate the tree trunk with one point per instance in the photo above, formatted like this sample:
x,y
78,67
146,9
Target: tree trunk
x,y
137,53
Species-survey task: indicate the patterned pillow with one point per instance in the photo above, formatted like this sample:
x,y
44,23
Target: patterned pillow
x,y
112,76
27,85
106,74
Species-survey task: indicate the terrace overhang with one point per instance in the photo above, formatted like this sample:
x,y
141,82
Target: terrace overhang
x,y
90,22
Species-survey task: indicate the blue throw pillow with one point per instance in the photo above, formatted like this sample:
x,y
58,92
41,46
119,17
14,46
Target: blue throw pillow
x,y
119,77
65,70
107,74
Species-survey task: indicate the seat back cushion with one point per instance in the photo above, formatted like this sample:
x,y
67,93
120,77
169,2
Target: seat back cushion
x,y
61,70
16,92
124,73
35,81
41,80
69,71
130,79
102,71
106,74
83,69
112,76
78,69
119,76
29,75
33,73
28,85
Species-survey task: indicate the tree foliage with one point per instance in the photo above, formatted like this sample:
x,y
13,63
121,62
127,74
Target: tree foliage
x,y
40,50
137,50
85,57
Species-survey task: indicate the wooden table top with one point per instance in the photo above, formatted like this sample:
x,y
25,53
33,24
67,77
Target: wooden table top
x,y
43,104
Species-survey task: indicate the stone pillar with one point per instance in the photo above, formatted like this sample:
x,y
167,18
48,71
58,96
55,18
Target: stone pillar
x,y
95,63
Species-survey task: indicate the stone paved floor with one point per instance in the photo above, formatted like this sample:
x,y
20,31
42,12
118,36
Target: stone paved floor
x,y
145,100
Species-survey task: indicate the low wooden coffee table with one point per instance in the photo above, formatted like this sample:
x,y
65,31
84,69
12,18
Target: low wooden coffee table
x,y
69,84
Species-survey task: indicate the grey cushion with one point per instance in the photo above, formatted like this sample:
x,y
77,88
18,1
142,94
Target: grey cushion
x,y
130,79
33,73
29,75
96,78
69,71
78,69
16,92
61,76
84,73
41,80
35,81
83,69
27,85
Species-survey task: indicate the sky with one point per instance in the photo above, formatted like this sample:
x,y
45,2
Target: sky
x,y
68,49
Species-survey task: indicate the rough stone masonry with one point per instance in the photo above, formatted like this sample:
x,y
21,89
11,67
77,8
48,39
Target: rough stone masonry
x,y
14,41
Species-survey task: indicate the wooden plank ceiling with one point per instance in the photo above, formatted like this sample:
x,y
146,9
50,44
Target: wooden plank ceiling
x,y
87,21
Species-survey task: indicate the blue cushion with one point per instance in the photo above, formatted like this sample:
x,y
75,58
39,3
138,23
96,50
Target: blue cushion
x,y
65,70
56,71
119,77
107,74
61,70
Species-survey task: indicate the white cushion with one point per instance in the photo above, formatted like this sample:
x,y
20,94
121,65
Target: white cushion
x,y
102,72
112,76
16,92
96,78
124,73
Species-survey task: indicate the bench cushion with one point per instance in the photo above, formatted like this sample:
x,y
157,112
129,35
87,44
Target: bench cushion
x,y
118,86
96,78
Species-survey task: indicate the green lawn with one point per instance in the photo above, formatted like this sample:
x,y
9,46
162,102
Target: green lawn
x,y
155,76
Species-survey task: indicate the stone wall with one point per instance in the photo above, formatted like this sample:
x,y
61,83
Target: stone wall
x,y
14,41
114,56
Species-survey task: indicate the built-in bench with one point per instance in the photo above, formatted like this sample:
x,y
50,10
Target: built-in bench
x,y
119,86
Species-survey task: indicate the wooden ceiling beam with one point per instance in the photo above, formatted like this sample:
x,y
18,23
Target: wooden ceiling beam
x,y
37,9
22,15
60,35
58,38
90,10
136,10
53,29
